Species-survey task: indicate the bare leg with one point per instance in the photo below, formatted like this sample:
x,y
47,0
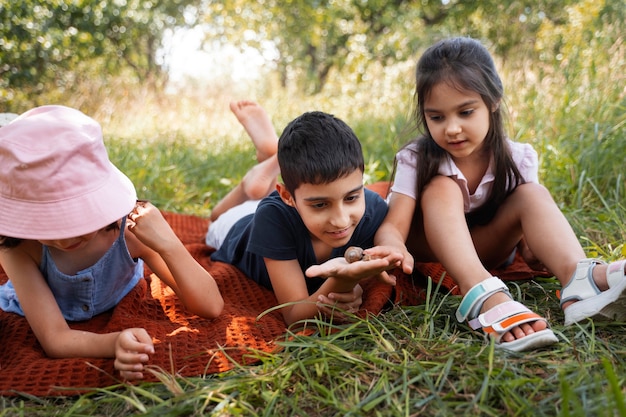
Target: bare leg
x,y
548,234
529,212
453,245
260,180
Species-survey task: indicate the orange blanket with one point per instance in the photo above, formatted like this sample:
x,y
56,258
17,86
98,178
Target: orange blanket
x,y
184,343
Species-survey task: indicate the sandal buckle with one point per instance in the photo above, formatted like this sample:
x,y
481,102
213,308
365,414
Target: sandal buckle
x,y
475,297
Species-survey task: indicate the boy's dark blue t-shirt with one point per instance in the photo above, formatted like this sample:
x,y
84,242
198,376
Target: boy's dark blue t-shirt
x,y
276,231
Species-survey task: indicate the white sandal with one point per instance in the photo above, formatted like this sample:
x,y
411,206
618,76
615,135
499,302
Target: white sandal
x,y
500,319
590,301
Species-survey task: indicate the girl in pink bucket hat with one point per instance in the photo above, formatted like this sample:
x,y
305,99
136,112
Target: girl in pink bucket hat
x,y
73,239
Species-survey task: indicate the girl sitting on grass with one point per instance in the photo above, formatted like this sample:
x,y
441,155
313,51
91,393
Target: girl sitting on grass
x,y
466,196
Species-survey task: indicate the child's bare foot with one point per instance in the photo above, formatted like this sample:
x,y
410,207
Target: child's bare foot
x,y
260,180
259,127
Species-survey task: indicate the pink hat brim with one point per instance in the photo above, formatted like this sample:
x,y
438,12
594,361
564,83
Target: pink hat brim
x,y
60,220
56,180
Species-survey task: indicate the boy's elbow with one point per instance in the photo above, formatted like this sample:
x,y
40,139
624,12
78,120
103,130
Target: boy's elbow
x,y
54,354
209,310
290,317
217,308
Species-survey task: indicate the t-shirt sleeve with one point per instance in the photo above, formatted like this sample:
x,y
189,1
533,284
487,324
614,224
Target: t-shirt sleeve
x,y
404,180
273,233
525,156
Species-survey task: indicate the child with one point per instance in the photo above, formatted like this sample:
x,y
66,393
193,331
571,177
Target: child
x,y
319,210
473,195
73,237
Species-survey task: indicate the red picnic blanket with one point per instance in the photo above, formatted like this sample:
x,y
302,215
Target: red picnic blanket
x,y
186,344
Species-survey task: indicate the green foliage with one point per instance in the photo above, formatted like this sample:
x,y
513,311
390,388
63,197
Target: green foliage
x,y
178,176
46,44
53,43
569,105
316,37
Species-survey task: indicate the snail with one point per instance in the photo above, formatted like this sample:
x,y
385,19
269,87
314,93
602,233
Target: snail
x,y
354,253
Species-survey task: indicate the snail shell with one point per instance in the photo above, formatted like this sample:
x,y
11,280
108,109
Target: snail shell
x,y
354,253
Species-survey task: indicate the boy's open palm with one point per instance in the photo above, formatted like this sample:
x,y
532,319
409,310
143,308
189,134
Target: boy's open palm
x,y
339,268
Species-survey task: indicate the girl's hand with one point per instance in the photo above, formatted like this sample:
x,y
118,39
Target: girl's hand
x,y
337,304
406,263
148,224
151,238
132,350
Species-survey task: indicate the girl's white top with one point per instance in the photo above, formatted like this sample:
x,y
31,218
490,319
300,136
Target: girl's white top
x,y
524,156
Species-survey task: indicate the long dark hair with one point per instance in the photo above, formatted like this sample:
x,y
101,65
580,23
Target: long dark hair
x,y
465,64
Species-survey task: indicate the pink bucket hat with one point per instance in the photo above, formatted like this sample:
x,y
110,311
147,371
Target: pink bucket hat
x,y
56,180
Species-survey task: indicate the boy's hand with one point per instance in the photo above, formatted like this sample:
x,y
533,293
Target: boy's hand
x,y
132,350
336,304
381,259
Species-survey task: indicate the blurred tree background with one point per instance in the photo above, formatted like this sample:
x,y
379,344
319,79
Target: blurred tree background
x,y
315,37
55,45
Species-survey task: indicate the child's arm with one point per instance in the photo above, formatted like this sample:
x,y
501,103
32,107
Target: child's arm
x,y
289,284
129,359
380,260
394,230
336,303
52,331
153,240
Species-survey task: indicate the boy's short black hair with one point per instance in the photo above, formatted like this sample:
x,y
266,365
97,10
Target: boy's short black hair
x,y
317,148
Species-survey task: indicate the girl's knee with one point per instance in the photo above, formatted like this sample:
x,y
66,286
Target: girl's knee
x,y
441,188
442,192
532,190
441,184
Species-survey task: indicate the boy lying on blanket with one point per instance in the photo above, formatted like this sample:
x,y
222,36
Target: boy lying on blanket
x,y
319,210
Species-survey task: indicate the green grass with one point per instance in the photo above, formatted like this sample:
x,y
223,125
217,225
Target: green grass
x,y
411,360
408,361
